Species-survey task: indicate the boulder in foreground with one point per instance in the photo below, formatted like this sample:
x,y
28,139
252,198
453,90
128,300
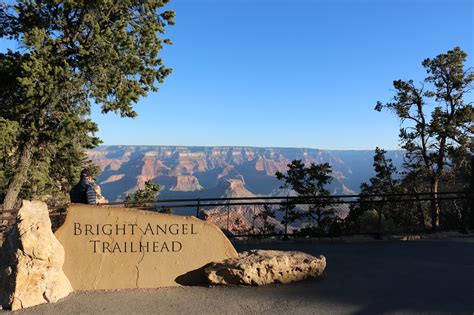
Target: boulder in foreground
x,y
33,259
260,267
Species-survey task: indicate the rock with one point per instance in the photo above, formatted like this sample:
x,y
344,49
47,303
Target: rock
x,y
259,267
186,183
33,260
99,197
120,248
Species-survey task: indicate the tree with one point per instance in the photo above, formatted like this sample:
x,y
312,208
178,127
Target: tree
x,y
435,120
74,54
310,183
265,219
8,134
142,197
383,182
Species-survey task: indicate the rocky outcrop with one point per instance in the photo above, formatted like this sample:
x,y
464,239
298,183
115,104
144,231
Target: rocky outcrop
x,y
32,261
186,183
113,178
210,165
235,187
260,267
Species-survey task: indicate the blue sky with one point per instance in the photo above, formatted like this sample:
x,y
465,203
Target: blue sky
x,y
291,73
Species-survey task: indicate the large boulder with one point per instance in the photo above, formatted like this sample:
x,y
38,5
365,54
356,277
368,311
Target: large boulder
x,y
259,267
118,248
32,261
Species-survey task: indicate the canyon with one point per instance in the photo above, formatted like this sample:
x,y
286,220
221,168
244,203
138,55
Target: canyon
x,y
200,172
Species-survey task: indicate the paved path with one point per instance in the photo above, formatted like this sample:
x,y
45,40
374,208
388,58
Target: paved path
x,y
416,277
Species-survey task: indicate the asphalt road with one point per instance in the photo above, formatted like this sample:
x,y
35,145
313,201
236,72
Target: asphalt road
x,y
415,277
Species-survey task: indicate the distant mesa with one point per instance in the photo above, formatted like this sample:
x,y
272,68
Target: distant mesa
x,y
113,178
234,188
186,183
199,172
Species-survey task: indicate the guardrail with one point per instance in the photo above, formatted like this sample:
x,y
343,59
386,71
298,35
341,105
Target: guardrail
x,y
272,216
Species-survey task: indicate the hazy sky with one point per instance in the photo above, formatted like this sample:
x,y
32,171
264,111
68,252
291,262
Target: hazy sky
x,y
293,73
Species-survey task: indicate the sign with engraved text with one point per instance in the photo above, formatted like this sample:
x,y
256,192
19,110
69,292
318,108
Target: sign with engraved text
x,y
118,248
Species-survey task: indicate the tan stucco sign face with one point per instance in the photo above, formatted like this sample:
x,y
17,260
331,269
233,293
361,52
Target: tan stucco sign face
x,y
117,248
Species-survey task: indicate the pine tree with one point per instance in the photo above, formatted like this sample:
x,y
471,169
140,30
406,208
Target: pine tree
x,y
143,197
436,120
74,54
8,134
383,182
310,182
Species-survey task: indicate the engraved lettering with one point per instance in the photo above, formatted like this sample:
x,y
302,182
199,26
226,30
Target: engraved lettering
x,y
95,244
89,229
118,228
107,229
77,229
175,230
176,246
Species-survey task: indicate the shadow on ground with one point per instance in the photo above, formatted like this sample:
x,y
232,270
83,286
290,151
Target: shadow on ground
x,y
390,277
434,277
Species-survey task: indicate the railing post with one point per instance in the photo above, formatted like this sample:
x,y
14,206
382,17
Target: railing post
x,y
379,234
285,237
228,218
253,220
198,208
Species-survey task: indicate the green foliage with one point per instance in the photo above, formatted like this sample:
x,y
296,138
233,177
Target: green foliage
x,y
368,222
264,220
9,131
74,54
309,182
383,182
430,138
142,197
436,123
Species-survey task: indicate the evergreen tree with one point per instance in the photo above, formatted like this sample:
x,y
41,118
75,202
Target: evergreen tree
x,y
383,182
435,120
264,220
74,54
143,197
8,134
310,182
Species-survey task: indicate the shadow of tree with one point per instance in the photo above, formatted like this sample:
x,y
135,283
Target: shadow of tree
x,y
385,277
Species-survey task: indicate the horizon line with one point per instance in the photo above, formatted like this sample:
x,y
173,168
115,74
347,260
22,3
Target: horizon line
x,y
236,146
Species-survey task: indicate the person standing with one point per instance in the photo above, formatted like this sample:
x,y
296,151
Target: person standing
x,y
84,191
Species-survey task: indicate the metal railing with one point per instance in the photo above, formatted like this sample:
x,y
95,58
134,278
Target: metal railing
x,y
278,216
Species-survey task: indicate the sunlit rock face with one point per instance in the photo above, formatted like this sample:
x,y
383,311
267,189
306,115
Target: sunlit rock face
x,y
260,267
198,172
34,259
186,183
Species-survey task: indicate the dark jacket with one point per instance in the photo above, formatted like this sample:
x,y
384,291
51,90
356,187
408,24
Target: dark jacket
x,y
83,192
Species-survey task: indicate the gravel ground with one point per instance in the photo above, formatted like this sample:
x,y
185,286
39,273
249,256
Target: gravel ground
x,y
384,277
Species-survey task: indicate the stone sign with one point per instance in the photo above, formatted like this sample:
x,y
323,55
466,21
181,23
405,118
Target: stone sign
x,y
119,248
